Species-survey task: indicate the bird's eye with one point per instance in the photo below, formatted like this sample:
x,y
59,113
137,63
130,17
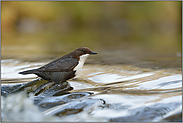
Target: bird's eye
x,y
84,51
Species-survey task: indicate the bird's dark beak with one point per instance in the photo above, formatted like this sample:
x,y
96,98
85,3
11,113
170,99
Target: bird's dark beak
x,y
93,53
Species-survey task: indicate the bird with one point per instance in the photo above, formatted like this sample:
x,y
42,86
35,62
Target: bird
x,y
63,68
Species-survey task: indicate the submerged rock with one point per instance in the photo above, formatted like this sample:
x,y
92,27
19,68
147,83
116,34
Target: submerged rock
x,y
37,87
61,88
74,107
60,100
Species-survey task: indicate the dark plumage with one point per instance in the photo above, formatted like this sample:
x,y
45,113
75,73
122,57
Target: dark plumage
x,y
63,68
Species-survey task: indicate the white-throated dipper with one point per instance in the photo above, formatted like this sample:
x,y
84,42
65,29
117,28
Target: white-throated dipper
x,y
63,68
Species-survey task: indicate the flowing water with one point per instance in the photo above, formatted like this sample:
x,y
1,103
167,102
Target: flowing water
x,y
101,93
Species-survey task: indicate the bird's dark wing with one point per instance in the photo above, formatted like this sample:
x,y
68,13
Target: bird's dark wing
x,y
60,65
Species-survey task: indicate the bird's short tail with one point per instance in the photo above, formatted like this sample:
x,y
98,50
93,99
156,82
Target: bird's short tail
x,y
27,72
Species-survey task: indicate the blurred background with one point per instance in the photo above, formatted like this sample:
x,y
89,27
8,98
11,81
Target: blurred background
x,y
145,34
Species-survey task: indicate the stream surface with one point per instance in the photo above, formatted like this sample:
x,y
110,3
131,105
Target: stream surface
x,y
101,93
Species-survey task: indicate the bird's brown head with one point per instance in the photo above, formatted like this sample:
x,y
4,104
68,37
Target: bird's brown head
x,y
84,50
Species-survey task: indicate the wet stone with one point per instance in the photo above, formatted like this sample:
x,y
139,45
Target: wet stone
x,y
61,88
8,89
59,100
39,87
147,114
74,107
28,87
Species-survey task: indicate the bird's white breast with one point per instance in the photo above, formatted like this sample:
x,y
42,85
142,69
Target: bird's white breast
x,y
81,63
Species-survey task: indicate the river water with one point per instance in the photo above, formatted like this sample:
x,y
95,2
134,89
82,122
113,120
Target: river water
x,y
101,93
